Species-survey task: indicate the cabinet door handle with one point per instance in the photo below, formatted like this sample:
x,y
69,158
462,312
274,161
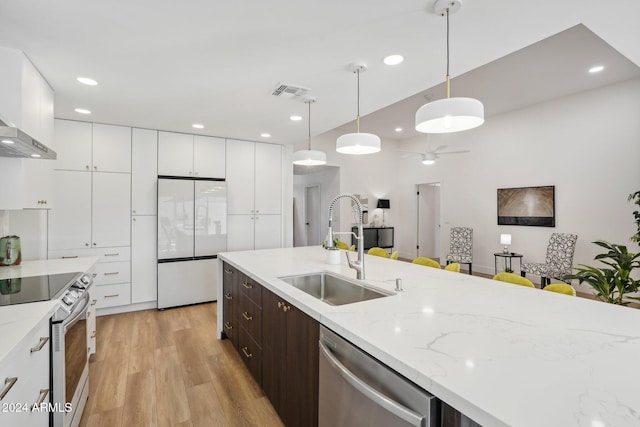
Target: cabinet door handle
x,y
247,285
70,257
43,341
9,382
93,302
116,254
246,315
93,334
112,296
228,325
280,304
94,244
228,271
245,350
86,167
286,308
228,296
95,167
111,273
86,244
43,395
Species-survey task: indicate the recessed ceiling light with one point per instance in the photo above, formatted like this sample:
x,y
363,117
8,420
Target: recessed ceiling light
x,y
82,111
393,59
596,69
7,141
87,81
197,126
296,118
35,155
265,135
398,129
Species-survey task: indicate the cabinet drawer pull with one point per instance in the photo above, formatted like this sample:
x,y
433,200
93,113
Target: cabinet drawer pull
x,y
112,273
43,341
286,308
246,315
226,270
228,325
245,350
8,383
70,257
94,275
228,296
43,395
93,334
280,304
94,301
116,254
112,296
247,285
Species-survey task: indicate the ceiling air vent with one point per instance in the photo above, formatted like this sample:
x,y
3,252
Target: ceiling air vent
x,y
289,91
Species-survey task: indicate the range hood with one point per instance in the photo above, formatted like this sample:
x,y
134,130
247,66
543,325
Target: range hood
x,y
16,143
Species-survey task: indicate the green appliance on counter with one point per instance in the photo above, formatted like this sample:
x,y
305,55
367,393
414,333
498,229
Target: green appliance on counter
x,y
10,251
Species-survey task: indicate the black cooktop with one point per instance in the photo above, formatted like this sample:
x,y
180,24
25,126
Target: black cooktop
x,y
35,288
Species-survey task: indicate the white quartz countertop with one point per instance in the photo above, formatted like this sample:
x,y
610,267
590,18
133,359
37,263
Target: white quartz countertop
x,y
502,354
17,321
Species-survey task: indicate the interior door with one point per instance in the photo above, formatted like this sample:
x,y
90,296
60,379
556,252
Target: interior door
x,y
312,215
175,218
428,220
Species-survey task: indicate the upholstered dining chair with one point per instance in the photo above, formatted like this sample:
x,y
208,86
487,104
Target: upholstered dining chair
x,y
378,252
461,247
394,255
427,262
454,266
514,278
343,245
561,288
558,261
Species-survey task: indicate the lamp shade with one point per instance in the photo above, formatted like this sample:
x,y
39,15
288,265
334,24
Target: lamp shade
x,y
309,158
449,115
383,204
505,239
358,143
428,159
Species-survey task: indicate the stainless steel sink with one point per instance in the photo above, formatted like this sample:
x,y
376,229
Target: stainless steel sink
x,y
333,289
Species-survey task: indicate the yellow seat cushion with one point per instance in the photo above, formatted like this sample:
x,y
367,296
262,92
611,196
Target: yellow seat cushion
x,y
454,266
513,278
561,288
394,255
378,252
428,262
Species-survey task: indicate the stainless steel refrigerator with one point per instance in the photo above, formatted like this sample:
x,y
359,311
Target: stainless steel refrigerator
x,y
192,230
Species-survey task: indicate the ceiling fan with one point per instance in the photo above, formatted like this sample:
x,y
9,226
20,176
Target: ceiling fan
x,y
429,157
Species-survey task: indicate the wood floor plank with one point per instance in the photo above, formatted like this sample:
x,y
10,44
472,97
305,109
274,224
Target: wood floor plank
x,y
148,371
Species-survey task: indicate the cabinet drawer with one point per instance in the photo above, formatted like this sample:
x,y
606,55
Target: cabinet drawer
x,y
251,355
112,295
250,318
70,253
251,289
116,254
112,272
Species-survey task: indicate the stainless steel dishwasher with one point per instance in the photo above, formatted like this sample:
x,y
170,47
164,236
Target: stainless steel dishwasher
x,y
357,390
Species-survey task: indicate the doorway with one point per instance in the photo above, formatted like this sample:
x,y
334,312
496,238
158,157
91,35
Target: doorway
x,y
428,220
312,214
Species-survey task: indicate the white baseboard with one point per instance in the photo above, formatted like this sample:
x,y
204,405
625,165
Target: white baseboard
x,y
126,308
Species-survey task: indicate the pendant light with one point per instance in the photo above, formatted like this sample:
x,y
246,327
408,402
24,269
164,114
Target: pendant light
x,y
358,143
449,114
309,157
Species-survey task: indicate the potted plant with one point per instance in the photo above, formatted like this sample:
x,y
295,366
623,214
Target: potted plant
x,y
333,254
614,283
636,214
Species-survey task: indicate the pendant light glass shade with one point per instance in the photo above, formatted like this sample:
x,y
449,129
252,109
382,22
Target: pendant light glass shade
x,y
428,159
358,143
309,157
449,114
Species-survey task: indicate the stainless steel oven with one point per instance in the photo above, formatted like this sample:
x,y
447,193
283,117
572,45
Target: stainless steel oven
x,y
70,356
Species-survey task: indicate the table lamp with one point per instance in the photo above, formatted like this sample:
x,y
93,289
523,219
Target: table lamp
x,y
505,239
383,204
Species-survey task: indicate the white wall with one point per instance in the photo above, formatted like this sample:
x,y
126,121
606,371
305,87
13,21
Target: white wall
x,y
328,179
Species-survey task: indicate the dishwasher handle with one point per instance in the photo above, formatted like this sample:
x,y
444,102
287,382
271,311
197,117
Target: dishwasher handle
x,y
380,399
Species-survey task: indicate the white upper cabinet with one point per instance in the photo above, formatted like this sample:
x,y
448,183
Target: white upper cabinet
x,y
181,154
73,145
144,172
240,177
111,148
208,157
175,154
268,179
70,222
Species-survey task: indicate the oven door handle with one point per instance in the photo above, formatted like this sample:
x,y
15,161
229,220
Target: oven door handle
x,y
71,320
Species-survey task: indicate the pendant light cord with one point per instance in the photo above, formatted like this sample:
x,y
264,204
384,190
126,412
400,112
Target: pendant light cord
x,y
448,77
309,125
358,101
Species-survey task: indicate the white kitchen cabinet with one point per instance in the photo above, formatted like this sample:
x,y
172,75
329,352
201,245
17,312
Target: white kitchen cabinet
x,y
144,265
267,232
83,146
113,295
248,232
28,364
92,210
181,154
111,209
111,148
73,145
37,182
144,172
70,223
240,177
268,179
91,320
240,232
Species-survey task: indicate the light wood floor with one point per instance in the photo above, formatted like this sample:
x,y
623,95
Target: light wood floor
x,y
166,368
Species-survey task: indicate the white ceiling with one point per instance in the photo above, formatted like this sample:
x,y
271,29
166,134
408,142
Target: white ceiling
x,y
165,64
